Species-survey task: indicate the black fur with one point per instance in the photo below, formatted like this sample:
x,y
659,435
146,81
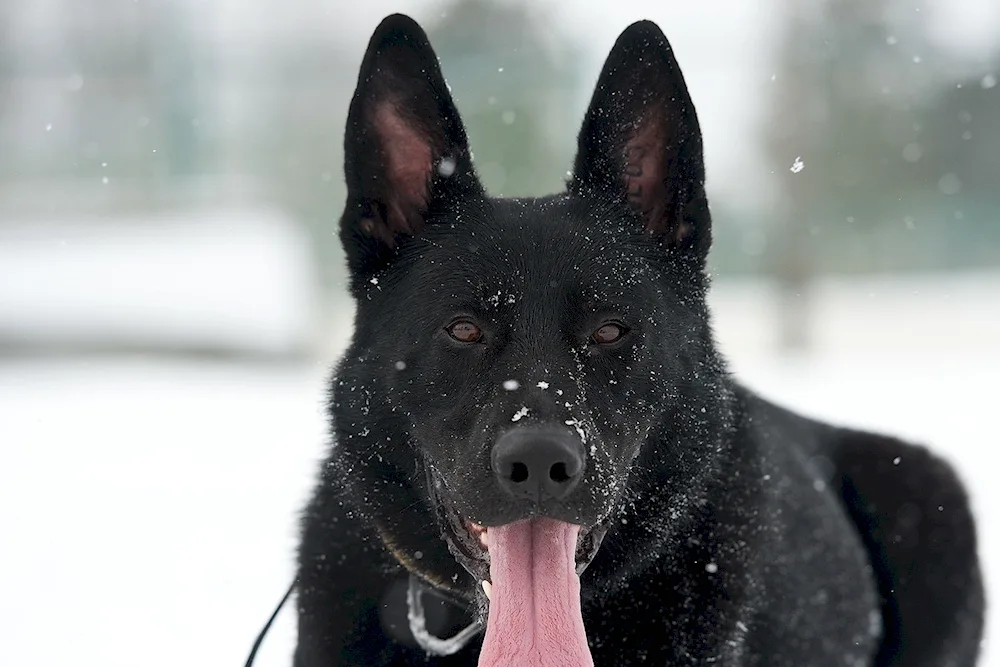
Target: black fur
x,y
737,533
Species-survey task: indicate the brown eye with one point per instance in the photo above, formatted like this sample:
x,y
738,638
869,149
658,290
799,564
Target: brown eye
x,y
608,333
464,332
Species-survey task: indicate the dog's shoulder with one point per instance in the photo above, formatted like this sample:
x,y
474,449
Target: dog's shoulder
x,y
913,516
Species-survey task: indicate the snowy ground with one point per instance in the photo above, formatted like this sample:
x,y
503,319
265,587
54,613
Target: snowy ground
x,y
148,506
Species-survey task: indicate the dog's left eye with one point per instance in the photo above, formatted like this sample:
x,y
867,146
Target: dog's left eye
x,y
608,333
464,331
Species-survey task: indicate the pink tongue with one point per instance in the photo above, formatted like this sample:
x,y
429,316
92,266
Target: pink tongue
x,y
535,618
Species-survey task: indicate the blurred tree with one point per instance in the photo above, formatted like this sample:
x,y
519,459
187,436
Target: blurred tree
x,y
956,172
176,70
82,72
516,85
296,144
7,65
870,106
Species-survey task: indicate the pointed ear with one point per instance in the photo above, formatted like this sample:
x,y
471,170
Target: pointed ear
x,y
641,143
404,145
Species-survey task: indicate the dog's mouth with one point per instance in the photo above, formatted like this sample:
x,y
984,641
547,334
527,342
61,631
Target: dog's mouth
x,y
469,542
529,571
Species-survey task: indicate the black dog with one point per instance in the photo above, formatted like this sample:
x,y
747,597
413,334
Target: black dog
x,y
532,391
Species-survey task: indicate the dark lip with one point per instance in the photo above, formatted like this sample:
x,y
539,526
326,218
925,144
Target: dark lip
x,y
457,532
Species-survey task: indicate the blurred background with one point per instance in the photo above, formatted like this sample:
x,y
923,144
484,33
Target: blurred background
x,y
172,290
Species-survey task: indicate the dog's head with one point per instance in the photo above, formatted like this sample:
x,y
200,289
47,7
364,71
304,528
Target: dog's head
x,y
525,349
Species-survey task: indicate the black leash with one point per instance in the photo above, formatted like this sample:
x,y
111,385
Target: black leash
x,y
267,626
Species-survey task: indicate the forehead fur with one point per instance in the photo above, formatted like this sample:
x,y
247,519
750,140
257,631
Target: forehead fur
x,y
542,248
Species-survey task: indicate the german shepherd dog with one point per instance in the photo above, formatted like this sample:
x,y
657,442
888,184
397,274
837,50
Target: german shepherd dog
x,y
539,457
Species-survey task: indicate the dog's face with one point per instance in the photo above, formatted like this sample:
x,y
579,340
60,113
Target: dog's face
x,y
529,346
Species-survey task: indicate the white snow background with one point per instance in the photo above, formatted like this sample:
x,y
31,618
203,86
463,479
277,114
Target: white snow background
x,y
149,504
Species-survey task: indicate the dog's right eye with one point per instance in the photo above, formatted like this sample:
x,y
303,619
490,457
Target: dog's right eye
x,y
608,333
464,331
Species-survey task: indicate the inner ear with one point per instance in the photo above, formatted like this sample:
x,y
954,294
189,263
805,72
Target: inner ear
x,y
644,177
408,160
409,157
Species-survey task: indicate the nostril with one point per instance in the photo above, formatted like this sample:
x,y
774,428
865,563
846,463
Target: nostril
x,y
557,473
518,473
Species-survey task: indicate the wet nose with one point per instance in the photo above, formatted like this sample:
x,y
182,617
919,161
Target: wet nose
x,y
537,465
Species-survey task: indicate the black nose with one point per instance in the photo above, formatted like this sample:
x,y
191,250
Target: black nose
x,y
536,465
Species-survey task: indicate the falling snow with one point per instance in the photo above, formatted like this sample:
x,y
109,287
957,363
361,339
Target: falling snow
x,y
579,431
447,167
